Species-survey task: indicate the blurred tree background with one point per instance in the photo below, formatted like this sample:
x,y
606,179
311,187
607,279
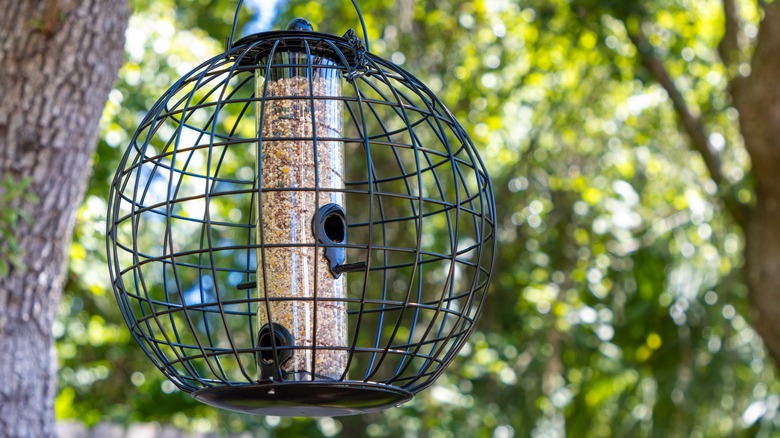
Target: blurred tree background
x,y
619,305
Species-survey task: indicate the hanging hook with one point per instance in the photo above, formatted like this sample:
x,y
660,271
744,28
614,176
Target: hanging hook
x,y
235,24
229,42
362,24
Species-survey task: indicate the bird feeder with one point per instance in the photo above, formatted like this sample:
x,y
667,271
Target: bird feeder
x,y
299,227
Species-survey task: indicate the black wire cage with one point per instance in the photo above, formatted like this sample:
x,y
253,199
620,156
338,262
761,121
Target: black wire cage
x,y
300,227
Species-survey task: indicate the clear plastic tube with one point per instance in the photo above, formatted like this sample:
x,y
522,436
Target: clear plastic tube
x,y
297,290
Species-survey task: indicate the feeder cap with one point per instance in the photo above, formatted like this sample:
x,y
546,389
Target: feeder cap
x,y
300,24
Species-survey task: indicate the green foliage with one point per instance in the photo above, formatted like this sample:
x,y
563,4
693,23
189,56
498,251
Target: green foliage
x,y
618,305
13,195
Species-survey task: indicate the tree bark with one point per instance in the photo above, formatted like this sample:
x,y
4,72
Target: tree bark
x,y
757,98
58,61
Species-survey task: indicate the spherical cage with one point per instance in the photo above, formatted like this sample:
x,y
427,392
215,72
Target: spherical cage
x,y
297,209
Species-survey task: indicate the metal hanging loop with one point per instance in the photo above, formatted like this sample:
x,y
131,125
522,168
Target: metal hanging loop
x,y
354,4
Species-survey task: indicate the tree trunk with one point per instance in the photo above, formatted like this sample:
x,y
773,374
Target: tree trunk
x,y
758,100
58,61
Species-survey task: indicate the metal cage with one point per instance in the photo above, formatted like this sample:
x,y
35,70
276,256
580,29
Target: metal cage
x,y
300,227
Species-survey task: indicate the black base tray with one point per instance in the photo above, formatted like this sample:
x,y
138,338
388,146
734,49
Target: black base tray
x,y
305,399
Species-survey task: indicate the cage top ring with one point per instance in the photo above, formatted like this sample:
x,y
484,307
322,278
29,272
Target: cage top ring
x,y
300,227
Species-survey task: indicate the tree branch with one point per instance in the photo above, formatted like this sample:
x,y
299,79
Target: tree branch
x,y
692,123
728,47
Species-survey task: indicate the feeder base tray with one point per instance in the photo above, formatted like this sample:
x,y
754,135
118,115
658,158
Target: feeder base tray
x,y
305,399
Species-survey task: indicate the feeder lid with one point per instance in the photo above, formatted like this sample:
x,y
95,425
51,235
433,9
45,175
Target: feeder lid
x,y
254,47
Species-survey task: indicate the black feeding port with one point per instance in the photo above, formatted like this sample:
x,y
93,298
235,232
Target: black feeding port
x,y
330,229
